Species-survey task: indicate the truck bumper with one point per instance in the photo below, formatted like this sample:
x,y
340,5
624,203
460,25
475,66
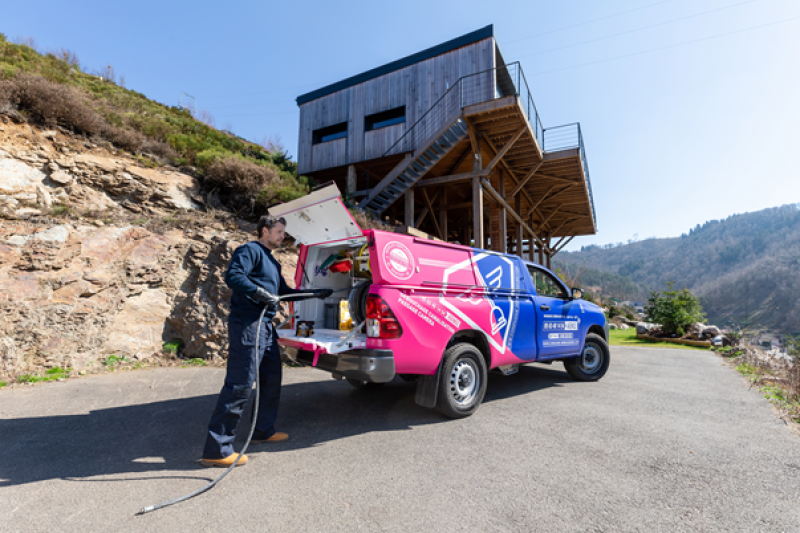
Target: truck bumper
x,y
375,366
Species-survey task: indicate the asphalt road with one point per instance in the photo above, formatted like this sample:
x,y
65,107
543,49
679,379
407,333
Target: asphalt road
x,y
669,440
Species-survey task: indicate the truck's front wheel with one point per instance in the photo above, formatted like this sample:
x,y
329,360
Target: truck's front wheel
x,y
593,362
463,381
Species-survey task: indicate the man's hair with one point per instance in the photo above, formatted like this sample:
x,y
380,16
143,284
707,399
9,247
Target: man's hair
x,y
268,221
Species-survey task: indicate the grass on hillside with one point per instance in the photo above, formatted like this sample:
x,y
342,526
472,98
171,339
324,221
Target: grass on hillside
x,y
627,337
52,89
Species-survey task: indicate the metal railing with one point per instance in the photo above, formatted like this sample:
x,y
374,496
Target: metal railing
x,y
567,137
484,86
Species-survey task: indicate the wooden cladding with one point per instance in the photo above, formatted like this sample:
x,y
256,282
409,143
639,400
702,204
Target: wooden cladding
x,y
416,88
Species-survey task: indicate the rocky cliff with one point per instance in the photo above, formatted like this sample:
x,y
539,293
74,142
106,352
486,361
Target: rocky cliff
x,y
100,255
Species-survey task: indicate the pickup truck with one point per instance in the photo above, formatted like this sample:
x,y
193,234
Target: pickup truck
x,y
437,313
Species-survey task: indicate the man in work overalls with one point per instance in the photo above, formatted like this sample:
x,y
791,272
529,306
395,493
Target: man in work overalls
x,y
255,278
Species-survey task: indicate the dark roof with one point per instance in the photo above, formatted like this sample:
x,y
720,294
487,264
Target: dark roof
x,y
439,49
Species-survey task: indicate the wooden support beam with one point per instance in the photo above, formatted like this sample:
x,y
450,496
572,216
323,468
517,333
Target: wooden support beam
x,y
542,199
409,207
477,212
555,231
500,153
551,198
525,180
559,241
488,188
513,176
421,217
476,147
467,152
531,248
549,217
429,205
559,178
425,212
447,180
390,177
351,180
558,249
518,233
443,214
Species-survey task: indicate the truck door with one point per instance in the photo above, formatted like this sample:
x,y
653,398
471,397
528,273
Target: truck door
x,y
557,318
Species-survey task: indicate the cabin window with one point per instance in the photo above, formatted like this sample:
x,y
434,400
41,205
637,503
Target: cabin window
x,y
330,133
385,118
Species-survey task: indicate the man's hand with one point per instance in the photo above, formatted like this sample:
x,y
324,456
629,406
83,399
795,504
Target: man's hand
x,y
265,297
322,293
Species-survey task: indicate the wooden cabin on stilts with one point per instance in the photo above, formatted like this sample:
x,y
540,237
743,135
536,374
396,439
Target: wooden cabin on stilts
x,y
449,141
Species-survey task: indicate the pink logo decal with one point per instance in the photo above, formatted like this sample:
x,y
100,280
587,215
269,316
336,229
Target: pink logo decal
x,y
398,259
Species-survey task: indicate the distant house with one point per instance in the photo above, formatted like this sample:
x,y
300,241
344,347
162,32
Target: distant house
x,y
449,141
638,306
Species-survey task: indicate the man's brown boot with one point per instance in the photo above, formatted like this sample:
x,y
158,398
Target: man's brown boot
x,y
226,462
277,437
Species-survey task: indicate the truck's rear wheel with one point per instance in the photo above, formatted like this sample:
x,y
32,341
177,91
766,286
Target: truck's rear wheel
x,y
593,362
462,384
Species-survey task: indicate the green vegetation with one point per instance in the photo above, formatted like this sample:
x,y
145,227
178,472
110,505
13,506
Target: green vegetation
x,y
62,210
51,374
674,310
53,89
627,337
739,267
112,361
3,384
196,361
171,347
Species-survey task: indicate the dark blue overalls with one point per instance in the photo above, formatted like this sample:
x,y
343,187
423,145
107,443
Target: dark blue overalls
x,y
252,264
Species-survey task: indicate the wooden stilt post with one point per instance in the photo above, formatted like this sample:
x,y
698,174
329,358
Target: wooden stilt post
x,y
497,216
518,234
477,213
531,248
443,214
352,185
409,200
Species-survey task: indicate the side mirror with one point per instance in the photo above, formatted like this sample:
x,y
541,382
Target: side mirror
x,y
577,293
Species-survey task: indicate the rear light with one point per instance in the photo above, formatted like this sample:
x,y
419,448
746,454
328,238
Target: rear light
x,y
381,322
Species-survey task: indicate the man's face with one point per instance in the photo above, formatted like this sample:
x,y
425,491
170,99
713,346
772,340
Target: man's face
x,y
274,236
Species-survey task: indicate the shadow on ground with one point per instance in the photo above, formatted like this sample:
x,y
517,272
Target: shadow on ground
x,y
167,436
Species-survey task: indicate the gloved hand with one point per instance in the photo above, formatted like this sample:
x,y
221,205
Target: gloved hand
x,y
265,297
322,293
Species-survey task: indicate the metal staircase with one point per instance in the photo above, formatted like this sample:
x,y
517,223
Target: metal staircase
x,y
413,168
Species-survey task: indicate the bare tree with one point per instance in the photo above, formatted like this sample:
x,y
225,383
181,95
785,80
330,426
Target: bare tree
x,y
206,118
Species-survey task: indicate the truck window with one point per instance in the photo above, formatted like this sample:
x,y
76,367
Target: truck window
x,y
546,284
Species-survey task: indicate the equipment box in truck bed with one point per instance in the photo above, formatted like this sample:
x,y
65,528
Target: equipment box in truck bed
x,y
438,313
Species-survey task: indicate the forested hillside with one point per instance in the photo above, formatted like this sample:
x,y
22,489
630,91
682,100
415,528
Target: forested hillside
x,y
739,266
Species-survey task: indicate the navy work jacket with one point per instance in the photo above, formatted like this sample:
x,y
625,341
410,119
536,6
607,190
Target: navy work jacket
x,y
253,264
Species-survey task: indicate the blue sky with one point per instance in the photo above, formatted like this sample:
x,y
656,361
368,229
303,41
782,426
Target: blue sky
x,y
689,109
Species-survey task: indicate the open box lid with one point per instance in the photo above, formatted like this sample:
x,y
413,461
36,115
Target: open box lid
x,y
318,217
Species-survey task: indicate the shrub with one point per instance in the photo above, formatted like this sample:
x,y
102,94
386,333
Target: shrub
x,y
171,347
674,310
239,182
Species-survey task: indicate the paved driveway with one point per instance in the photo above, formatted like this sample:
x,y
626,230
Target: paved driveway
x,y
669,440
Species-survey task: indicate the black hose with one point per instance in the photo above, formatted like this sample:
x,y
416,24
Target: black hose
x,y
152,508
288,297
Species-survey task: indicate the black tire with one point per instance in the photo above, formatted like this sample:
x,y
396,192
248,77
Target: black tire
x,y
363,385
593,362
358,301
462,384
